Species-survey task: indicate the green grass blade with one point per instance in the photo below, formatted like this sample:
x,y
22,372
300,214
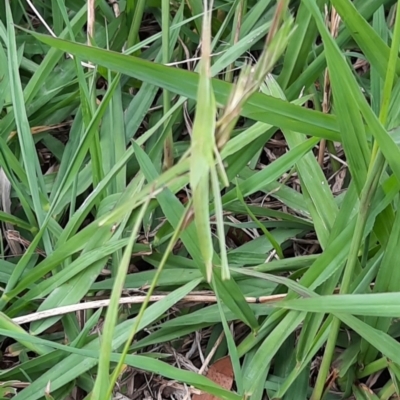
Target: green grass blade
x,y
259,107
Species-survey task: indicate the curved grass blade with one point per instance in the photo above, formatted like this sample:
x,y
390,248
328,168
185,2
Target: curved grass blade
x,y
375,304
102,379
259,107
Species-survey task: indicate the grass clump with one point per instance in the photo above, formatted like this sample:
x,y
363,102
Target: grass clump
x,y
185,181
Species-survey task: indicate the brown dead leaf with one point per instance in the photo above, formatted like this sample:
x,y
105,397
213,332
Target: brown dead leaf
x,y
40,129
221,373
339,181
238,236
